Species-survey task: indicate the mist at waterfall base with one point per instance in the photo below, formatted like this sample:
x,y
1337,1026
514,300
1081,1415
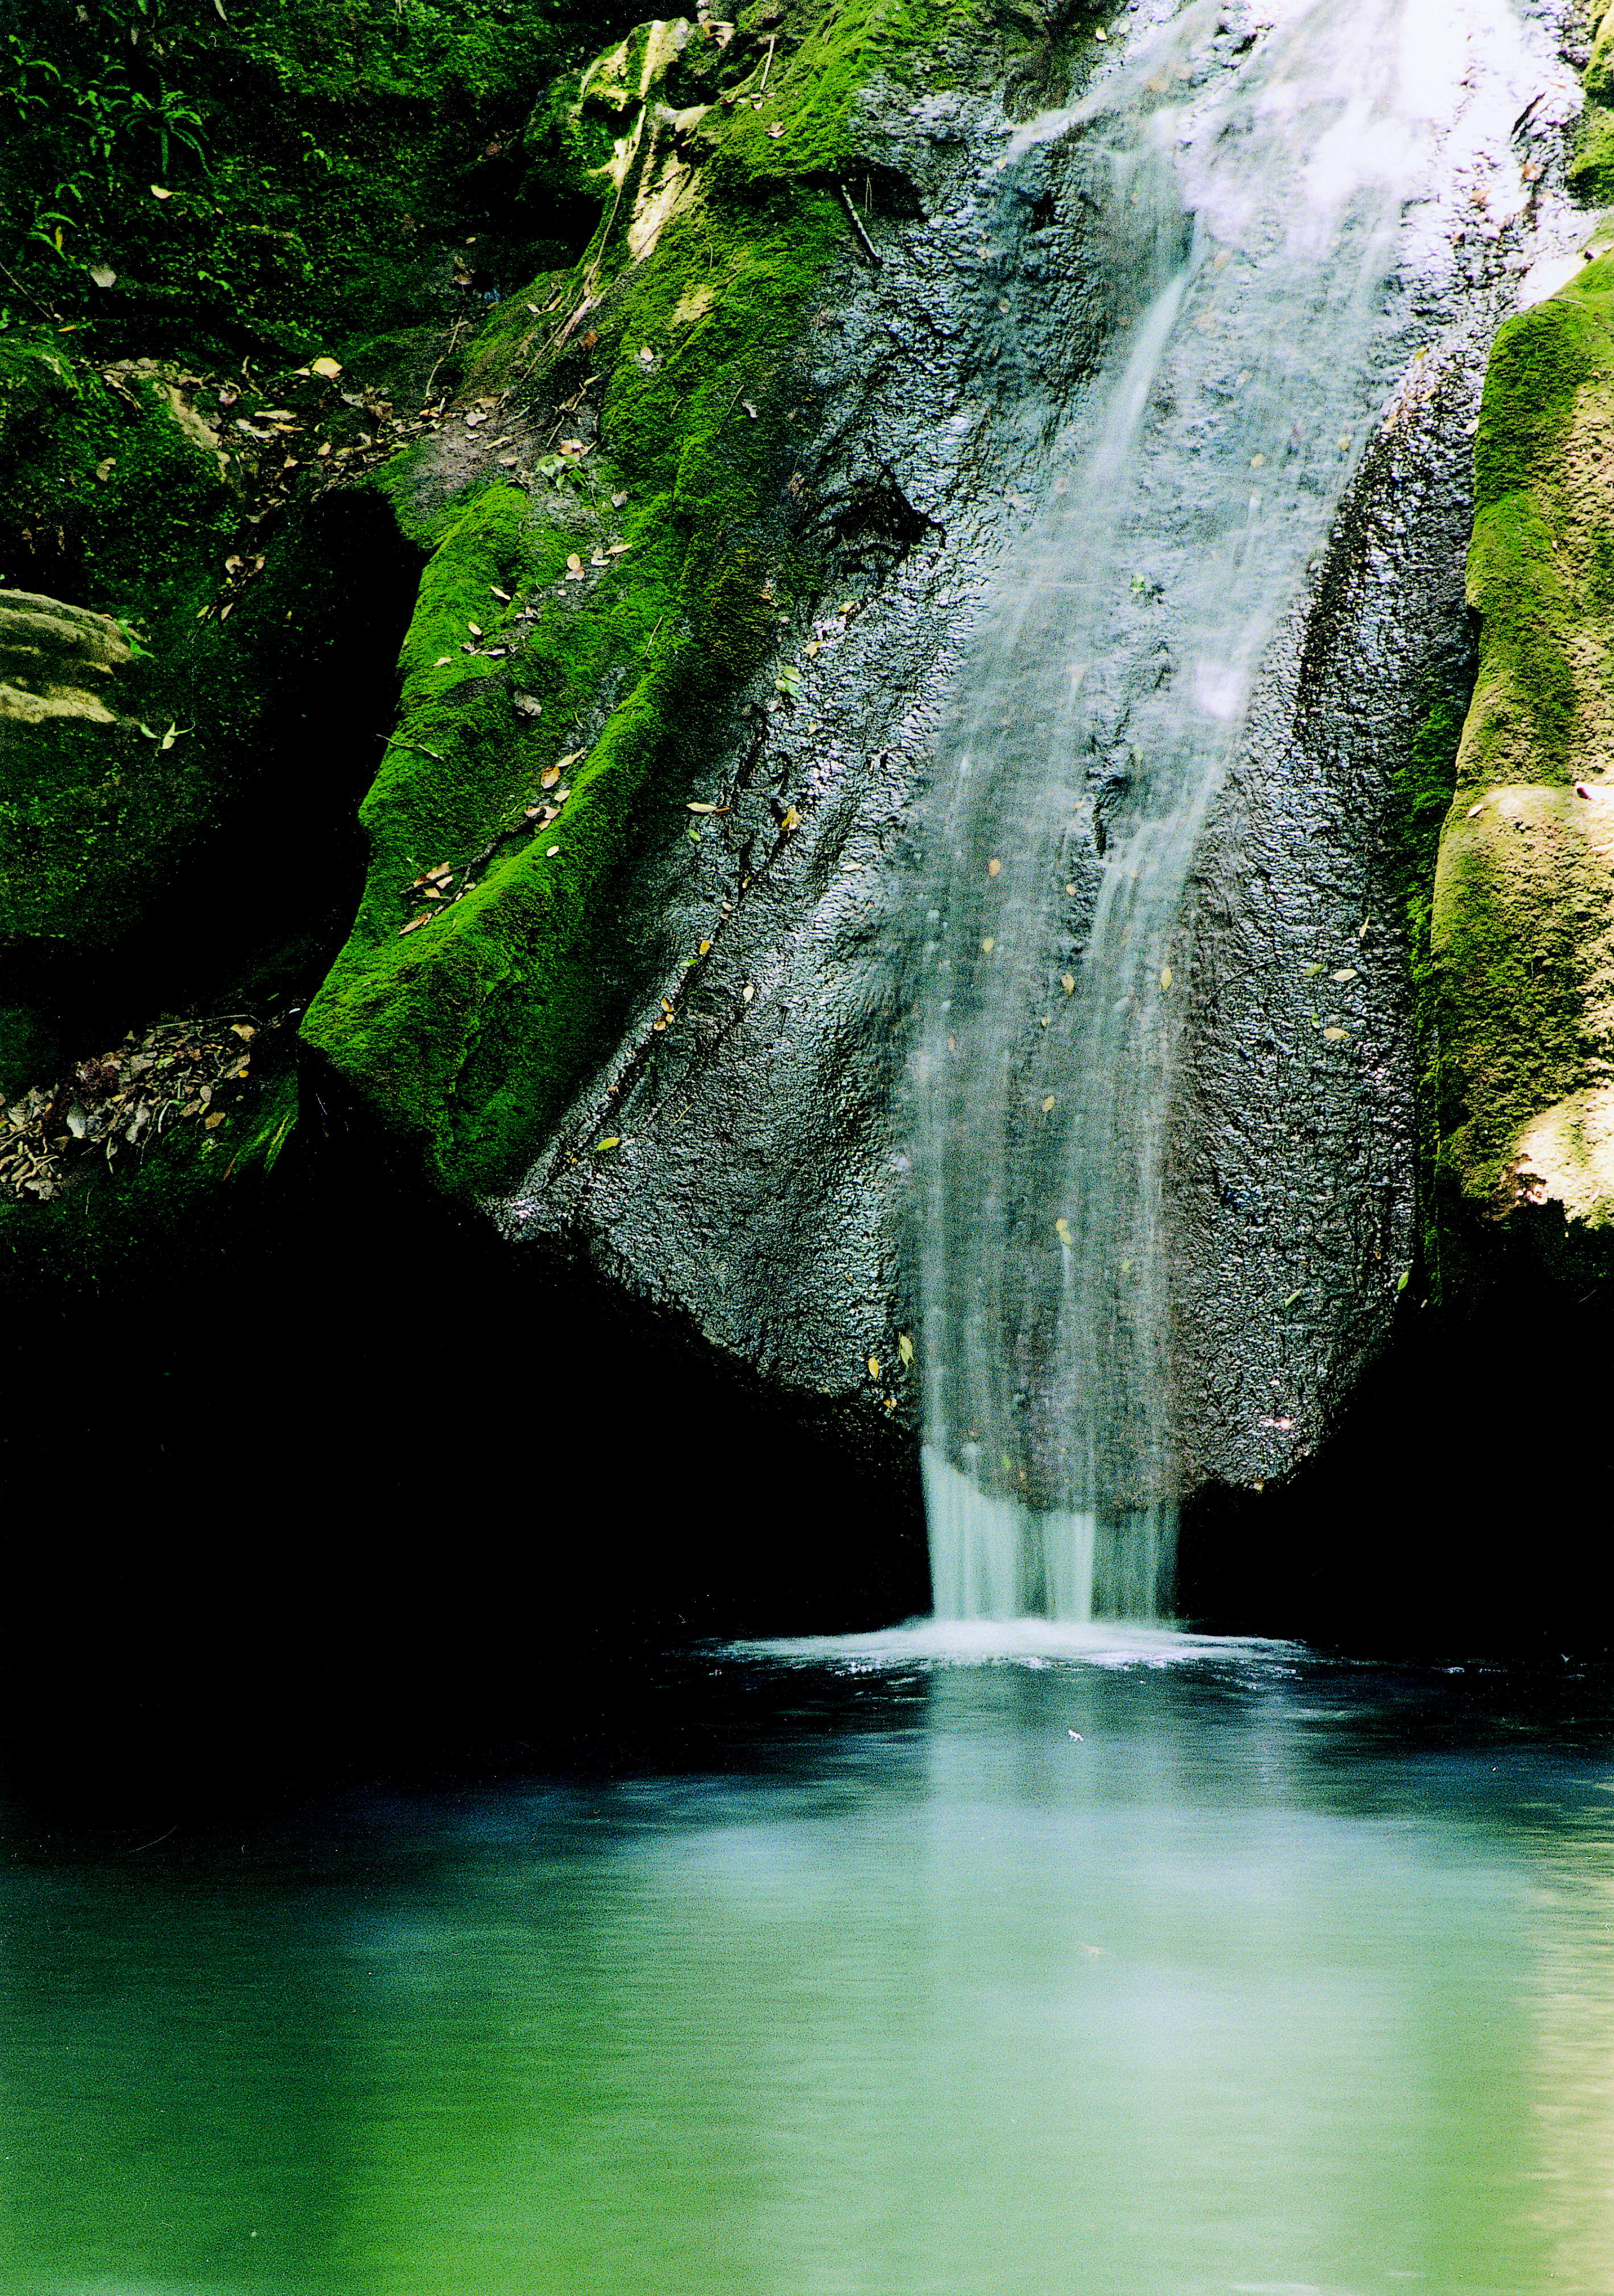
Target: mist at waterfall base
x,y
1248,201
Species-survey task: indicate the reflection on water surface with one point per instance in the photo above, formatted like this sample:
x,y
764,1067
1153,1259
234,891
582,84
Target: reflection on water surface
x,y
1023,1979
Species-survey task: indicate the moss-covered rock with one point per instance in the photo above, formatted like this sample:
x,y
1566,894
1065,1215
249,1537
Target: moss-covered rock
x,y
1522,939
593,611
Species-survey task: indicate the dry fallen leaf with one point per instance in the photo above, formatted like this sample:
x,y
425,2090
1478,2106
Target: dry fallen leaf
x,y
904,1347
1165,976
617,501
723,808
873,1366
553,850
1047,1104
1346,972
1336,1035
211,1123
1067,981
994,868
1061,1228
159,192
328,367
747,992
550,775
987,946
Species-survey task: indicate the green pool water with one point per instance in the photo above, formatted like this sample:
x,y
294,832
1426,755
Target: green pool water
x,y
1275,1976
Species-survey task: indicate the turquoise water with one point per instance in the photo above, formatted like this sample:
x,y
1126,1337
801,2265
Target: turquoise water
x,y
1277,1977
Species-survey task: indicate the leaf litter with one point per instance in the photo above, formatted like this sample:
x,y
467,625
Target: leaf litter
x,y
186,1072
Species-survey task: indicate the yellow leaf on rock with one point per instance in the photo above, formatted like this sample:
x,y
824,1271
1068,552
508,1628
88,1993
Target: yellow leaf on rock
x,y
904,1347
1061,1228
1067,981
1346,972
873,1366
987,946
611,1140
994,868
1165,976
1048,1104
1336,1035
792,819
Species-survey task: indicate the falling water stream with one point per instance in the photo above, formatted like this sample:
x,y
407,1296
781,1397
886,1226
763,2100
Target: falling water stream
x,y
1246,186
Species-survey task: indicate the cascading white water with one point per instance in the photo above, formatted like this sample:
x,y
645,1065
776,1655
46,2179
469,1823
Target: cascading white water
x,y
1245,182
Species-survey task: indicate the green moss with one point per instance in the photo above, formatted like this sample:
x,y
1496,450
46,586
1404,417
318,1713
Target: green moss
x,y
1511,910
814,89
470,1033
1539,363
1592,161
1525,705
1512,983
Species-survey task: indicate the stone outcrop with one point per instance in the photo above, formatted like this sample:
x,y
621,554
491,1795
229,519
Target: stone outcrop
x,y
1521,1043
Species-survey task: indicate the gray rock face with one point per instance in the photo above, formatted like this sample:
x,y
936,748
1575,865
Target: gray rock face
x,y
762,1193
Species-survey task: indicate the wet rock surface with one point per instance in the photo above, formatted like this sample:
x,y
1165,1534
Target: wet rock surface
x,y
744,1161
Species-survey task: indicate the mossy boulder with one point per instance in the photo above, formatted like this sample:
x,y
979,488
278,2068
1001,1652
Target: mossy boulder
x,y
1521,936
601,595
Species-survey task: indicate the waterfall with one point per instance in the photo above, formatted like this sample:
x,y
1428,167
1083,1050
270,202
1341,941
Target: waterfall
x,y
1243,180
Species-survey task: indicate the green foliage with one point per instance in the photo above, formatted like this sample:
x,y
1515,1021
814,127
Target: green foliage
x,y
321,164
